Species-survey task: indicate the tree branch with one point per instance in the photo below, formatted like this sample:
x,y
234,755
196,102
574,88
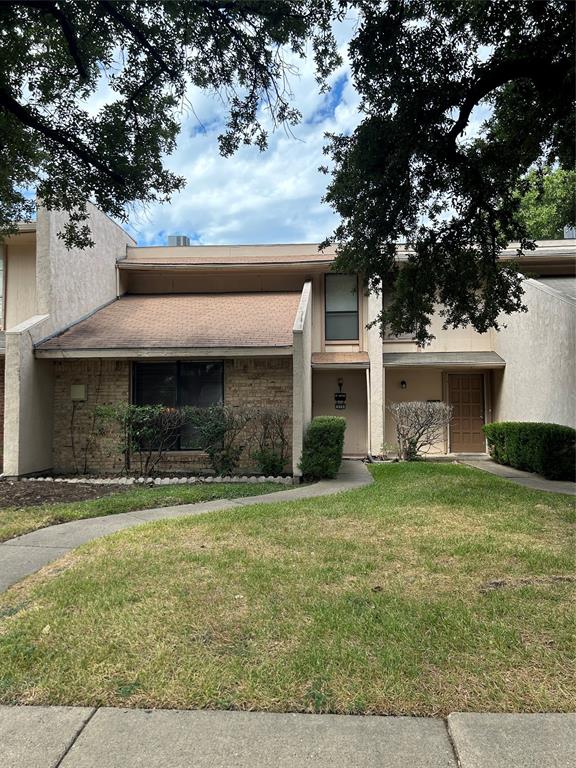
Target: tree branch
x,y
112,10
51,7
80,150
538,69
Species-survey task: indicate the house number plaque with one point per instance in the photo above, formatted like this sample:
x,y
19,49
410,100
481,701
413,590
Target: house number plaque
x,y
340,397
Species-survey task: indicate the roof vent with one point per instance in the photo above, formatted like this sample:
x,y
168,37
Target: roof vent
x,y
178,240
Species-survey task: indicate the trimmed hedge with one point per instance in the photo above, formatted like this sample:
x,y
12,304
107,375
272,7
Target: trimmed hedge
x,y
548,449
323,445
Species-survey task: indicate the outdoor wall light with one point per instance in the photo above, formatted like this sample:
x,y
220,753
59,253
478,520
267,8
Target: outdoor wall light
x,y
403,384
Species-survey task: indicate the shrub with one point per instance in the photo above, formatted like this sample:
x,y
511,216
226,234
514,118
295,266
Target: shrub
x,y
268,462
323,445
548,449
218,430
419,425
271,439
145,431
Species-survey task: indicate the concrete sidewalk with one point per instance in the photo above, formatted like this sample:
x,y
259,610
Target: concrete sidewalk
x,y
518,476
82,737
26,554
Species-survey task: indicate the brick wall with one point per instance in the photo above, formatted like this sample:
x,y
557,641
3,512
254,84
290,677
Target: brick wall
x,y
260,382
75,447
247,382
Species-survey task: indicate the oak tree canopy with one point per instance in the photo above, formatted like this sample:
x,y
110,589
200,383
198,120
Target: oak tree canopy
x,y
460,101
55,54
462,104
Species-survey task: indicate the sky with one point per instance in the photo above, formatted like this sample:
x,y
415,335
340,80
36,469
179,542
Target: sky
x,y
255,197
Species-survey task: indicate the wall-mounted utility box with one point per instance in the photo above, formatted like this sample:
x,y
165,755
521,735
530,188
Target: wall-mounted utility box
x,y
78,392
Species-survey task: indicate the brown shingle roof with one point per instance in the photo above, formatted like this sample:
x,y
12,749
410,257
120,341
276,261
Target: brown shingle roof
x,y
185,320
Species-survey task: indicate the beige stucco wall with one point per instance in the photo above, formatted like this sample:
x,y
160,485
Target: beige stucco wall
x,y
539,381
376,376
449,340
20,285
73,283
324,385
248,383
302,374
69,285
421,384
28,401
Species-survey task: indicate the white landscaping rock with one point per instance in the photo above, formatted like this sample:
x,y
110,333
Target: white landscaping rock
x,y
180,480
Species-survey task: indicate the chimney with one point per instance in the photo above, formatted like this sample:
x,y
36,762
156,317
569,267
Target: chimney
x,y
178,240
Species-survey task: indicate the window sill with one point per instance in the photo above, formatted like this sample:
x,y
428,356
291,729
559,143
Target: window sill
x,y
192,452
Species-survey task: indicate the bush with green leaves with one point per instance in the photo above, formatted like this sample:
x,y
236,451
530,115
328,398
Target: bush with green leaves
x,y
219,431
548,449
323,446
271,439
146,432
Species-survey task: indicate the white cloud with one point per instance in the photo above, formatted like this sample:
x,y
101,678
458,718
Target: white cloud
x,y
255,197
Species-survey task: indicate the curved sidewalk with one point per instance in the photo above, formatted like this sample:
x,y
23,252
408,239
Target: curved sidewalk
x,y
26,554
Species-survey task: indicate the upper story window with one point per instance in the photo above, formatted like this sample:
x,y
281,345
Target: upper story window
x,y
199,384
341,307
388,298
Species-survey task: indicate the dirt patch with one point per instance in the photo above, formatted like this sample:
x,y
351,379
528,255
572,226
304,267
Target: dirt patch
x,y
16,493
527,581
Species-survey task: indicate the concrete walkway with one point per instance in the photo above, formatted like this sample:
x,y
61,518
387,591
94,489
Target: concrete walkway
x,y
26,554
526,479
83,737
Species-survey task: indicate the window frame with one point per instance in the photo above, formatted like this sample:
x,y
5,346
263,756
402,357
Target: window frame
x,y
178,446
348,340
387,337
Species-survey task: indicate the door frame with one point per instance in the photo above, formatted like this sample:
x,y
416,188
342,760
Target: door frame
x,y
486,400
364,382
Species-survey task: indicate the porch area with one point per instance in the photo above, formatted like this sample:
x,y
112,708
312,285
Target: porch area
x,y
464,380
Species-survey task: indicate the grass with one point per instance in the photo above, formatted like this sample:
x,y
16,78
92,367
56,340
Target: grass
x,y
371,601
14,521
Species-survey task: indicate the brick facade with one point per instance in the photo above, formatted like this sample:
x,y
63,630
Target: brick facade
x,y
248,382
75,448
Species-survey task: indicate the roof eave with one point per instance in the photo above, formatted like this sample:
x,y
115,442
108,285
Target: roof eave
x,y
142,266
341,366
162,352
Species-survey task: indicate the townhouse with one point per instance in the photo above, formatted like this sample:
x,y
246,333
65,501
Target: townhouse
x,y
251,325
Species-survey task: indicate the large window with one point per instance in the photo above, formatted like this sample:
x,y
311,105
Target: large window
x,y
341,297
199,384
388,298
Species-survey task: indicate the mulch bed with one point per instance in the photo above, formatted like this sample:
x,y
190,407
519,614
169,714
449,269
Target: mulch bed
x,y
25,494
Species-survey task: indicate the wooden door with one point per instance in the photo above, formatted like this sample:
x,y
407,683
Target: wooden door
x,y
466,396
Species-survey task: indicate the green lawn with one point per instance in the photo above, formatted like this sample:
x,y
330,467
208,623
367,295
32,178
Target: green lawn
x,y
14,521
375,600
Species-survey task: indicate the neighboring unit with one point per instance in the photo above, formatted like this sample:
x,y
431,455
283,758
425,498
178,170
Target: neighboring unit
x,y
251,325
